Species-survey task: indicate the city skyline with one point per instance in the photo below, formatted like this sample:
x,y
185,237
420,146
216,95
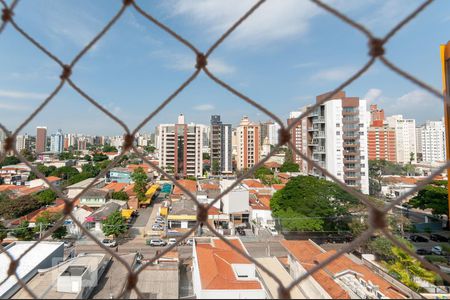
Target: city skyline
x,y
258,64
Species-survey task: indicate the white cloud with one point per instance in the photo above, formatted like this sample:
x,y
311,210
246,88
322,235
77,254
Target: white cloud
x,y
22,95
272,21
416,104
372,95
11,106
334,74
204,107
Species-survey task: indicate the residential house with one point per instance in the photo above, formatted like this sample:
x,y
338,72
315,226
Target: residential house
x,y
94,198
219,272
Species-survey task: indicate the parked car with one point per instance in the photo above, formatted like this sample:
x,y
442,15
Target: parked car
x,y
438,238
172,241
160,222
190,242
437,250
156,242
157,227
423,251
272,231
109,243
418,238
68,244
159,218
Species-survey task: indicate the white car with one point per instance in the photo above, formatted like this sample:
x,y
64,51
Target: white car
x,y
172,241
109,243
436,250
190,242
156,242
272,231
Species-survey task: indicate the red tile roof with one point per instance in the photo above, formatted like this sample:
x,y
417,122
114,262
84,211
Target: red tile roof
x,y
9,187
53,178
216,272
210,186
278,186
116,186
29,191
253,183
190,185
213,211
133,167
272,164
309,254
257,204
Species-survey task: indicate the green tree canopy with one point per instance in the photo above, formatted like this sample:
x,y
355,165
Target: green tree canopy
x,y
18,207
90,169
45,197
114,225
87,157
28,154
288,166
139,178
432,197
59,233
23,232
66,155
109,148
150,149
65,173
98,157
313,197
3,232
120,195
9,160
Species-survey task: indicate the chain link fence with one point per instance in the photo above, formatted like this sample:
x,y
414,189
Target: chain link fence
x,y
377,220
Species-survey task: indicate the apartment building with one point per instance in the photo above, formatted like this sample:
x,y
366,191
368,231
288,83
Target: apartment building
x,y
334,135
57,142
405,138
23,142
381,142
269,130
180,148
220,144
248,137
41,139
432,141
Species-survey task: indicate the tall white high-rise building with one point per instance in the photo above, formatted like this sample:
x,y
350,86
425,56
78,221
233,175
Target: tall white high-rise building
x,y
180,148
248,137
23,142
57,142
405,138
334,135
432,141
220,144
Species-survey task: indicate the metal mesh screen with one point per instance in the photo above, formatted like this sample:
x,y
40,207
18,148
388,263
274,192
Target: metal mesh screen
x,y
376,50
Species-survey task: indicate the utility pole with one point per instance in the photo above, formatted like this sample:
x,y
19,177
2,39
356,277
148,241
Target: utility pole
x,y
445,59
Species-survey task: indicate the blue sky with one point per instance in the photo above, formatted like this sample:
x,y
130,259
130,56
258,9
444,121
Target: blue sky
x,y
284,55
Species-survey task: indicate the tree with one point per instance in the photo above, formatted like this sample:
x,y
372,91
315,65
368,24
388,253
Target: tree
x,y
120,195
288,166
358,226
381,247
114,224
206,156
18,207
313,197
109,148
432,197
103,164
66,156
45,197
23,232
45,220
79,177
98,157
288,156
65,172
261,172
292,221
215,167
140,183
3,232
90,169
28,154
9,160
59,233
406,269
87,157
150,149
